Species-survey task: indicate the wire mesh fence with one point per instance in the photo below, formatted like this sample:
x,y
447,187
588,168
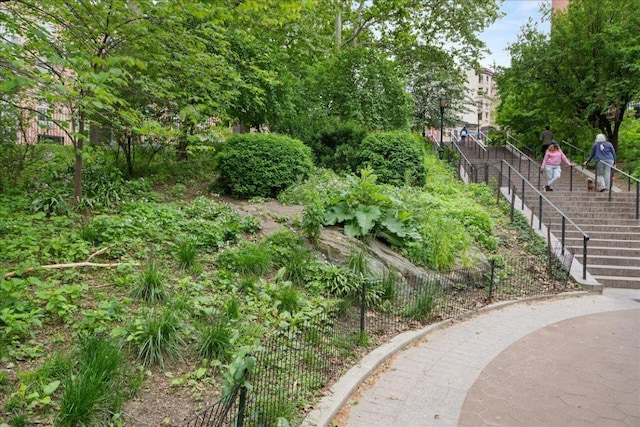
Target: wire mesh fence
x,y
294,367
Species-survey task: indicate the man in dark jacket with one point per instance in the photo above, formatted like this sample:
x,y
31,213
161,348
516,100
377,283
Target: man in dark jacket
x,y
546,137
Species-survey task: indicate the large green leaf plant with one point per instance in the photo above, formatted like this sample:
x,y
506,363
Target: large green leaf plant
x,y
366,209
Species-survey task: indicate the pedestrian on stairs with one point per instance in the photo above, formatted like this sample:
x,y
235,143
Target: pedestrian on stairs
x,y
463,135
605,155
546,137
553,159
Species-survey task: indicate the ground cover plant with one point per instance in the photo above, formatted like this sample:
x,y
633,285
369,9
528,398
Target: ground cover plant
x,y
165,288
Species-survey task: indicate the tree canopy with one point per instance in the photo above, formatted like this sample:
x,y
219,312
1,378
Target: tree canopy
x,y
579,78
164,72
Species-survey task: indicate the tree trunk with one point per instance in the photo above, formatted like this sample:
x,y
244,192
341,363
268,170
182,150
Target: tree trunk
x,y
77,177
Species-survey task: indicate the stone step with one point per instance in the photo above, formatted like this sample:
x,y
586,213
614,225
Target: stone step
x,y
613,270
602,243
578,217
609,219
618,281
606,226
613,260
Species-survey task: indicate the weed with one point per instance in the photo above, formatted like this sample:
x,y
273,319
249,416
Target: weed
x,y
178,191
97,389
420,309
215,341
156,336
232,308
187,252
290,299
151,286
249,258
297,265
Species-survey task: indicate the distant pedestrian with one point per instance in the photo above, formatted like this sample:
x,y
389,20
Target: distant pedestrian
x,y
553,159
605,155
463,135
546,137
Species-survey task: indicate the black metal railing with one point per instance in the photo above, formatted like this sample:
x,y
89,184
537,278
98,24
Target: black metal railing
x,y
294,365
545,208
631,182
574,151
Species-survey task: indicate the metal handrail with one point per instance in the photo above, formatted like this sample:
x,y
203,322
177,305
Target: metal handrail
x,y
565,218
518,141
582,152
629,180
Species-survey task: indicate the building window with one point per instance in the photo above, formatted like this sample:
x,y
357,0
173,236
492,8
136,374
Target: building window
x,y
52,139
43,115
479,78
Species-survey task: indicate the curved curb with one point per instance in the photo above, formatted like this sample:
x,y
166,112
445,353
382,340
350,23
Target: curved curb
x,y
328,407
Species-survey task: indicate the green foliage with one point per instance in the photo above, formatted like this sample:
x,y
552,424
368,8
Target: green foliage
x,y
369,209
215,340
51,201
420,308
156,336
151,287
249,259
571,78
629,147
334,145
20,314
288,298
95,389
392,155
187,252
262,165
333,280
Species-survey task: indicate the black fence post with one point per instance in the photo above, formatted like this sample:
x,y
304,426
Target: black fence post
x,y
363,304
540,212
493,268
513,202
242,404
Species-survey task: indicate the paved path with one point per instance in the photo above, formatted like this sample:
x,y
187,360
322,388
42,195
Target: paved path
x,y
563,362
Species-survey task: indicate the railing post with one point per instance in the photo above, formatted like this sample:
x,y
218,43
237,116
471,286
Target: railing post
x,y
242,404
570,178
540,212
637,200
564,222
513,201
584,257
493,269
486,173
363,304
522,195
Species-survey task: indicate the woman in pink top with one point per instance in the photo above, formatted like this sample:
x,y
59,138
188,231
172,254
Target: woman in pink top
x,y
553,158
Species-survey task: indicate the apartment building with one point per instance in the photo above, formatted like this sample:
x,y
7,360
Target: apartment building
x,y
481,101
37,120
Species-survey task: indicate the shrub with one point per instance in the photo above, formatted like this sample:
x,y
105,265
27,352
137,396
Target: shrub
x,y
261,165
335,144
393,156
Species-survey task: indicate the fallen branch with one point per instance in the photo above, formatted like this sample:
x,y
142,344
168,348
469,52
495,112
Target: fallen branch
x,y
96,253
86,263
59,266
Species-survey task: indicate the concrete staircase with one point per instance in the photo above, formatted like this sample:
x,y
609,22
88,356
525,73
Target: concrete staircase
x,y
613,249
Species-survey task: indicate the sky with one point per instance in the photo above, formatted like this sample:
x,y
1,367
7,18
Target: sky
x,y
505,30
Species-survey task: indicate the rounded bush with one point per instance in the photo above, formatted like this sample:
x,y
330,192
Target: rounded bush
x,y
333,144
261,165
397,158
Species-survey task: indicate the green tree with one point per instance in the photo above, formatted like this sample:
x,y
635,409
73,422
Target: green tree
x,y
585,72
